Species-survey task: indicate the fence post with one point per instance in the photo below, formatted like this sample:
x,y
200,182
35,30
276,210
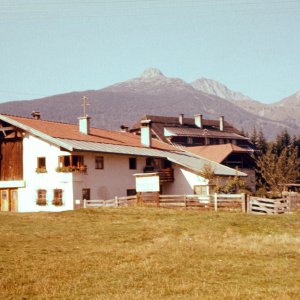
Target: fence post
x,y
185,202
157,199
249,206
84,203
216,201
243,202
116,201
288,203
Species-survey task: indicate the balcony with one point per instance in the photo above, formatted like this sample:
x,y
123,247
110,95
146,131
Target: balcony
x,y
68,169
165,175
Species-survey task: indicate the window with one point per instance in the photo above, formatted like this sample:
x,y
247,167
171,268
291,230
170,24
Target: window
x,y
202,190
131,192
77,160
41,165
41,197
41,162
86,194
57,197
132,163
99,162
71,163
166,164
189,140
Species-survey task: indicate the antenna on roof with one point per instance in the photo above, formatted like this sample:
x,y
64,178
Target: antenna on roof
x,y
85,103
84,122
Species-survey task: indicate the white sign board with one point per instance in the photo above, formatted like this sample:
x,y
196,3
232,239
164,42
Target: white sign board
x,y
147,182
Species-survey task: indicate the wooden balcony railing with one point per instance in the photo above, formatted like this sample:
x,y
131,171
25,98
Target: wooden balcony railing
x,y
165,175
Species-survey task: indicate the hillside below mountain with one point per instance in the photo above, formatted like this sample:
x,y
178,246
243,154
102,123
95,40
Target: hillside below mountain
x,y
153,94
287,110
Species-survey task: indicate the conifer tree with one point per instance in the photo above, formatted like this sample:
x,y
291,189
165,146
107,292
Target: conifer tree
x,y
253,136
283,140
261,142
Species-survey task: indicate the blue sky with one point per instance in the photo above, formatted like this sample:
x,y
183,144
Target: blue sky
x,y
51,47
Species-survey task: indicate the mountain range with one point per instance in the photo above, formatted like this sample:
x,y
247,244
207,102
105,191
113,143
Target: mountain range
x,y
155,94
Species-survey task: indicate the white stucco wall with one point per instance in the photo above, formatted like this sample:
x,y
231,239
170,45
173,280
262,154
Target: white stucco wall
x,y
184,182
113,180
33,148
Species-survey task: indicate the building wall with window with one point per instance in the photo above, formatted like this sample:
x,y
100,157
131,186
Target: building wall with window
x,y
106,176
48,179
114,179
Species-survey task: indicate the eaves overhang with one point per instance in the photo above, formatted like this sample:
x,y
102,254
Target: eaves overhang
x,y
37,133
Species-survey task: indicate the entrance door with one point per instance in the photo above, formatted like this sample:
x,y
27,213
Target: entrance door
x,y
4,200
9,200
13,200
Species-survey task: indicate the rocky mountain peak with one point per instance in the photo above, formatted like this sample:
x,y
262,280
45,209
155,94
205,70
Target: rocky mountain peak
x,y
292,101
216,88
152,73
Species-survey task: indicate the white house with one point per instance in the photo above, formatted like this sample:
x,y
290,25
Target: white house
x,y
52,166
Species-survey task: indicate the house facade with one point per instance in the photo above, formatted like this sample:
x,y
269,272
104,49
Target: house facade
x,y
52,166
215,140
197,131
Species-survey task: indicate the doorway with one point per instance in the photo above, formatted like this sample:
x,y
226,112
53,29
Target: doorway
x,y
9,200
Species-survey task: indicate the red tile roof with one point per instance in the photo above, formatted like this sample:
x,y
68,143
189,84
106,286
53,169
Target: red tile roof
x,y
217,153
97,135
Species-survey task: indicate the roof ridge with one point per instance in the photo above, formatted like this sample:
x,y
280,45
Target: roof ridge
x,y
60,122
44,120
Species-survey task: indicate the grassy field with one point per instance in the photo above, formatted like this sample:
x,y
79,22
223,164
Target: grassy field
x,y
140,253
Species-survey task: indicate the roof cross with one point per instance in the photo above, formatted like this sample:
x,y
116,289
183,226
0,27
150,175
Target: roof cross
x,y
85,104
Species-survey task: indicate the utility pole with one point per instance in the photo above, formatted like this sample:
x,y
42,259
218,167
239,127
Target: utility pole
x,y
85,104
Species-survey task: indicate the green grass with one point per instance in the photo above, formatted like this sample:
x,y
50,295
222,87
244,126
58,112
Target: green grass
x,y
140,253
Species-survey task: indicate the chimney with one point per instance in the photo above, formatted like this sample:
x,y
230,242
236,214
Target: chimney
x,y
146,133
221,123
84,122
181,119
124,128
36,115
199,121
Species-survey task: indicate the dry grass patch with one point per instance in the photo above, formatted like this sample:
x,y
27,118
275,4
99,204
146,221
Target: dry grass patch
x,y
139,253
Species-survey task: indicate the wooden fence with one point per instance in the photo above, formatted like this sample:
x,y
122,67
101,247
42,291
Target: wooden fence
x,y
240,202
184,201
268,206
216,201
294,201
116,202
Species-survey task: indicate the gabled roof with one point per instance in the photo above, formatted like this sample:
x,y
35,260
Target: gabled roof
x,y
68,137
217,153
160,122
62,131
198,132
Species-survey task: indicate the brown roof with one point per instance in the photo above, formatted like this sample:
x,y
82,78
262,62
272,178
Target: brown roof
x,y
198,132
217,153
71,132
159,122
